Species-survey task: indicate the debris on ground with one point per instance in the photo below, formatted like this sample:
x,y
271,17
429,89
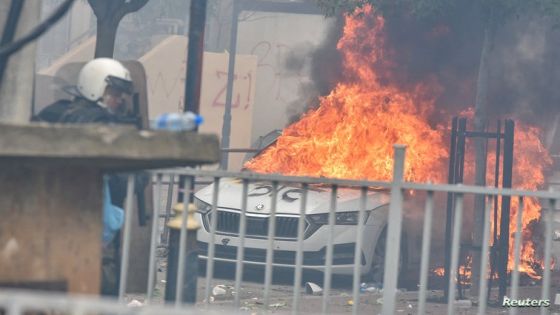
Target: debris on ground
x,y
463,303
223,292
312,288
370,287
219,290
211,299
278,305
135,303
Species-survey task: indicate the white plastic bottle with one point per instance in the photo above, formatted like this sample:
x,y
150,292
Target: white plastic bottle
x,y
177,121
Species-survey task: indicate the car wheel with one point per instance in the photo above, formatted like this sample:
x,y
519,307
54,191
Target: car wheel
x,y
377,269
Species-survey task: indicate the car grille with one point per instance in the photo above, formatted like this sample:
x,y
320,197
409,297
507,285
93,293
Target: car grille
x,y
342,254
228,222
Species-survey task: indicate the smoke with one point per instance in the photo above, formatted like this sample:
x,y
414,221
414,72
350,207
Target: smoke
x,y
522,63
524,72
325,70
523,67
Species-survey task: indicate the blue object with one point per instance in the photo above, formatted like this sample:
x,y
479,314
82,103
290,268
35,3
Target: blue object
x,y
177,121
113,216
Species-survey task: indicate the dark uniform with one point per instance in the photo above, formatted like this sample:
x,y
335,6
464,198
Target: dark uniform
x,y
81,111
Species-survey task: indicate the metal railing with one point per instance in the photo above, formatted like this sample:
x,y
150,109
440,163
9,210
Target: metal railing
x,y
398,187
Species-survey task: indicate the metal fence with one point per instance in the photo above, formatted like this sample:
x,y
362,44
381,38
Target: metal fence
x,y
397,188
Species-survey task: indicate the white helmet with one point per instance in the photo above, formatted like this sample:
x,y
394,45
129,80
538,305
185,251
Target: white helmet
x,y
99,73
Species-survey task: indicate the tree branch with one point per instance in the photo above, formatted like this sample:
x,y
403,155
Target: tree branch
x,y
100,8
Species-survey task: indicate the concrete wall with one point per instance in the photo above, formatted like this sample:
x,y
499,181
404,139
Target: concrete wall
x,y
166,86
272,37
68,33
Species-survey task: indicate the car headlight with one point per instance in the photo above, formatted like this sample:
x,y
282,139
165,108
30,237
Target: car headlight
x,y
341,218
201,206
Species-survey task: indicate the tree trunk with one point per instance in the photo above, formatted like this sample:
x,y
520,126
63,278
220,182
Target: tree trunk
x,y
480,123
106,35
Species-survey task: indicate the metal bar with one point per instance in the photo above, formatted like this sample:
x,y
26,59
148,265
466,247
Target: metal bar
x,y
27,300
270,248
165,236
153,242
516,252
451,179
226,125
330,248
194,62
461,143
482,295
299,251
545,293
281,7
211,246
505,214
77,310
126,236
481,165
494,252
372,184
394,233
278,178
182,249
193,81
15,308
476,190
460,177
455,252
481,134
240,150
425,262
358,252
241,247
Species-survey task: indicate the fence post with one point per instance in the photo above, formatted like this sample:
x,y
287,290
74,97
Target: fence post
x,y
394,233
189,281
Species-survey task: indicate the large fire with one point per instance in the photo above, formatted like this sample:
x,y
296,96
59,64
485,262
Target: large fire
x,y
351,133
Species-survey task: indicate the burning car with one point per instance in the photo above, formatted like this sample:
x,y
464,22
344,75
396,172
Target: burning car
x,y
316,230
287,214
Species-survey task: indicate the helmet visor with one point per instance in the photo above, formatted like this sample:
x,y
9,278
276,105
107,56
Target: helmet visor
x,y
120,84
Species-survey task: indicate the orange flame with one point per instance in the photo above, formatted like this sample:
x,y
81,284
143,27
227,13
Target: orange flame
x,y
439,271
351,133
530,162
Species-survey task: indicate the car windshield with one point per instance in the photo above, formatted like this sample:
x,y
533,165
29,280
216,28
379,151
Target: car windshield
x,y
261,144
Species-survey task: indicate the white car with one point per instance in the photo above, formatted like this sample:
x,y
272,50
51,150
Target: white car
x,y
287,213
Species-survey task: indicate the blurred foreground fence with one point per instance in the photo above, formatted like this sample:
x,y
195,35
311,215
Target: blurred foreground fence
x,y
18,302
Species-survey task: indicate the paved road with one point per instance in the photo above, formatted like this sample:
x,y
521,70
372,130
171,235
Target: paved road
x,y
340,300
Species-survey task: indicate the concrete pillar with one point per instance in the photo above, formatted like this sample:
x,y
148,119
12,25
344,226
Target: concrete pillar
x,y
51,200
16,89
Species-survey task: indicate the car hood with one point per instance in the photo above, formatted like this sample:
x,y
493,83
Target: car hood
x,y
288,197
